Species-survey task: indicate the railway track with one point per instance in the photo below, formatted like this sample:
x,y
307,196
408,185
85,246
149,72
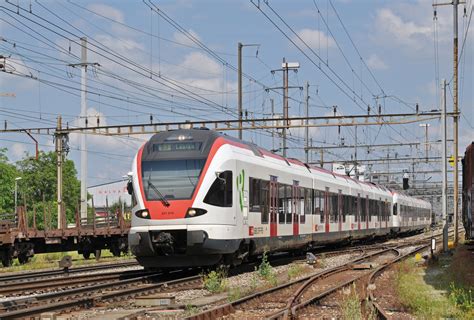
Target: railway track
x,y
91,295
112,288
29,275
273,301
290,299
43,285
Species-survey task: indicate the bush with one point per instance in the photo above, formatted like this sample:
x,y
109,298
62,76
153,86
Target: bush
x,y
215,281
461,298
265,271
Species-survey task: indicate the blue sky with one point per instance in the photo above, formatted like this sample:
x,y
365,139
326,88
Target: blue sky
x,y
395,39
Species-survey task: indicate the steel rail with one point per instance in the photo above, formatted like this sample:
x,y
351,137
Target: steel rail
x,y
52,283
89,301
230,307
49,273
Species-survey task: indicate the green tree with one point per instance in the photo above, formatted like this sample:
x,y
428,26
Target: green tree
x,y
39,183
8,173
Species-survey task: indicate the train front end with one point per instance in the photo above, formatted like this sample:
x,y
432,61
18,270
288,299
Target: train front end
x,y
184,213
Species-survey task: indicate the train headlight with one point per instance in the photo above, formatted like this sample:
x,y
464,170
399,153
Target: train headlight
x,y
144,214
194,212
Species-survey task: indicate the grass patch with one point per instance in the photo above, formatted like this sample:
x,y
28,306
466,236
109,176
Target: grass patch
x,y
351,307
295,271
235,294
426,303
215,281
190,310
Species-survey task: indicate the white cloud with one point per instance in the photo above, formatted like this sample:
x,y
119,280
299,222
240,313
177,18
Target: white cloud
x,y
102,142
18,151
181,38
107,11
201,62
315,39
408,27
376,63
399,31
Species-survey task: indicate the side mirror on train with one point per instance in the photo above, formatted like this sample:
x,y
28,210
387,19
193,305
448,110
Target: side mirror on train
x,y
130,187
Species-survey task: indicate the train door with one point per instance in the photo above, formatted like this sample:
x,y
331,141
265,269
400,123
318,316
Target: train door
x,y
296,208
340,208
273,205
358,211
326,209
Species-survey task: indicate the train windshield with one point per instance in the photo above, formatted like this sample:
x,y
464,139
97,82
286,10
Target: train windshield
x,y
171,179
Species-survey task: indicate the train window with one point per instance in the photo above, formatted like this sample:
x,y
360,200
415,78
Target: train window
x,y
371,209
322,203
316,202
334,213
264,199
363,208
357,207
171,179
308,201
220,193
303,204
282,203
289,211
395,209
254,192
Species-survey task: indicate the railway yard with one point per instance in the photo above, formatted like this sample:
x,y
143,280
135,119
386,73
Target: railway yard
x,y
287,287
236,160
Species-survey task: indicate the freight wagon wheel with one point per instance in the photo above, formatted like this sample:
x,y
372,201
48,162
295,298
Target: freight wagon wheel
x,y
115,250
7,259
23,258
86,255
97,254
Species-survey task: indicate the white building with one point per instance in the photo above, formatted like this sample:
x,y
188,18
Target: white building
x,y
109,193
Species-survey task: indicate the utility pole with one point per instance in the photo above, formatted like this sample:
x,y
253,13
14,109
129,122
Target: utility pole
x,y
239,50
272,102
59,164
239,84
445,163
84,64
285,67
426,126
356,171
455,4
285,103
83,136
306,150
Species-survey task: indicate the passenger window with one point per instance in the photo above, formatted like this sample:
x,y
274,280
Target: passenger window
x,y
254,191
220,193
289,202
282,203
264,199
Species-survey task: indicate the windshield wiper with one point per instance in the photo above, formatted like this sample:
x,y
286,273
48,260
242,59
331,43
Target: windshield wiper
x,y
162,197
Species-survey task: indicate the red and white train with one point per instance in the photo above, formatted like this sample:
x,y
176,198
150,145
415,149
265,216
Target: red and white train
x,y
202,197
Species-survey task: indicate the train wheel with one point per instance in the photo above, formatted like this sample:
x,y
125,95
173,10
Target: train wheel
x,y
115,250
86,255
97,254
7,259
23,258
